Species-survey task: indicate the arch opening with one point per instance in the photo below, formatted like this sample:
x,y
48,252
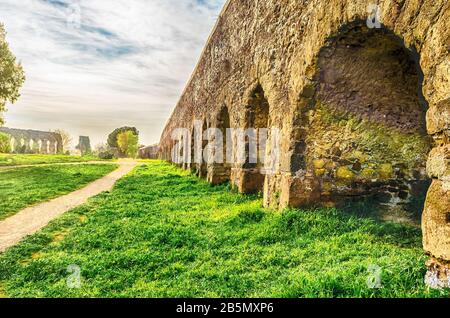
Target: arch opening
x,y
361,127
256,119
220,172
192,163
202,167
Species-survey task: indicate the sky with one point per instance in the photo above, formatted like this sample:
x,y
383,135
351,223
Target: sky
x,y
94,65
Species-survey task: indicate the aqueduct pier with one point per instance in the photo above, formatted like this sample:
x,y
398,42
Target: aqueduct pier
x,y
363,110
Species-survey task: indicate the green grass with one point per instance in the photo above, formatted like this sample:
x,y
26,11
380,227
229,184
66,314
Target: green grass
x,y
23,187
18,160
164,233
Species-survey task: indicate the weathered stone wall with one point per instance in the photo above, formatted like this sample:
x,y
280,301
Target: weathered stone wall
x,y
350,102
34,141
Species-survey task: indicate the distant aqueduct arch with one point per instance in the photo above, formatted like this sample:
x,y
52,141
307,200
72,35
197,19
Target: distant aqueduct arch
x,y
362,111
34,141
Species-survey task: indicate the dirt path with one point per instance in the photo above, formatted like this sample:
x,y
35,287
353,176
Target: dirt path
x,y
32,219
58,164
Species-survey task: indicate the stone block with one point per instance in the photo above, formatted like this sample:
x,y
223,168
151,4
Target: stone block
x,y
436,221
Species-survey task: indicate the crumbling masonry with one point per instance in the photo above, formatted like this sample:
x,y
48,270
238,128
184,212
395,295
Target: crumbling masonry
x,y
363,111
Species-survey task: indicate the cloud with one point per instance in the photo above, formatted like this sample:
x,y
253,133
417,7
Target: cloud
x,y
92,66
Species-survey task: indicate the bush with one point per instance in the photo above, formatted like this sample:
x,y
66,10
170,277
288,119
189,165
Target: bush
x,y
5,143
106,155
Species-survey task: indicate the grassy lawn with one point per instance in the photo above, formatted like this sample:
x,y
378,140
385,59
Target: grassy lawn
x,y
163,233
22,187
17,159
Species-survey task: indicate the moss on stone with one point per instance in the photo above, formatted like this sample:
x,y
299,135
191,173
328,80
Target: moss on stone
x,y
319,164
386,171
369,173
327,186
367,141
320,172
344,173
360,156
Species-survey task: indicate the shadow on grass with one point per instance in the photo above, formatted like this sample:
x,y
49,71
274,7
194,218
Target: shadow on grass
x,y
366,216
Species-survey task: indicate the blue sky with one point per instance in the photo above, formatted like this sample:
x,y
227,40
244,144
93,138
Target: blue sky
x,y
94,65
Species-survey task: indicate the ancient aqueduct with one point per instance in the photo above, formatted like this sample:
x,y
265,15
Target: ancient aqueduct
x,y
361,110
33,141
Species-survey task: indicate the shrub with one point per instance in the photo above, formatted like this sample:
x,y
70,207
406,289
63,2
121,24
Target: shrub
x,y
106,155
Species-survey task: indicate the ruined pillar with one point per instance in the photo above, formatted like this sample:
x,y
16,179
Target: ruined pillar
x,y
84,145
13,144
50,149
436,216
40,146
46,146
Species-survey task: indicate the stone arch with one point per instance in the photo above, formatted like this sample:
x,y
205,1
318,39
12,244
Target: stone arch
x,y
51,147
36,147
257,113
203,166
185,153
47,146
19,146
409,114
219,173
22,146
192,145
28,145
360,126
196,135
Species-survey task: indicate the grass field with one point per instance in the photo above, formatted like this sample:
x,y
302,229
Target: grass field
x,y
23,187
17,159
164,233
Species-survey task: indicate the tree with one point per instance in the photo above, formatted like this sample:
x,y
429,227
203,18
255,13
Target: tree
x,y
5,143
128,143
12,76
112,138
66,138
